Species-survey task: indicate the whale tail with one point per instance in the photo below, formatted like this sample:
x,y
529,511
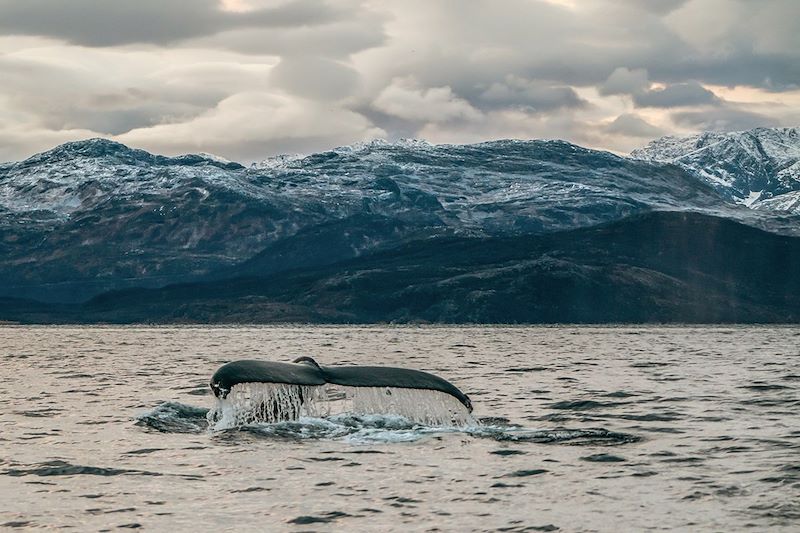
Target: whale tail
x,y
261,391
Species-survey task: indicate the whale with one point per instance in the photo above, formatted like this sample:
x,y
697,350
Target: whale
x,y
306,371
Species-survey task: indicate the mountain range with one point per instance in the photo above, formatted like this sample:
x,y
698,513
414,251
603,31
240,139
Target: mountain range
x,y
759,168
697,229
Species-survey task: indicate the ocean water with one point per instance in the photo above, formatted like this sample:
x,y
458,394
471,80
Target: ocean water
x,y
581,429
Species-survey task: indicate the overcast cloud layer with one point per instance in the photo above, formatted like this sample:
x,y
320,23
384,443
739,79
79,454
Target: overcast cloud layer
x,y
246,79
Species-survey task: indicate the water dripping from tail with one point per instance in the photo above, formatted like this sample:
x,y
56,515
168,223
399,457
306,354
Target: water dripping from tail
x,y
254,403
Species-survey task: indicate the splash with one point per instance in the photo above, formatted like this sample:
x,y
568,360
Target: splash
x,y
174,417
252,403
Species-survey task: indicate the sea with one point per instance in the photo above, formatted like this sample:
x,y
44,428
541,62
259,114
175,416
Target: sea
x,y
576,428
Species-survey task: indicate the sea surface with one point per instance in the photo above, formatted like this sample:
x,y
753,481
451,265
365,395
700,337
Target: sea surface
x,y
582,429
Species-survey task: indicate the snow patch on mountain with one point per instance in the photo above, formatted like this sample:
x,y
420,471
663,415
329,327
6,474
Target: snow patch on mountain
x,y
750,167
788,202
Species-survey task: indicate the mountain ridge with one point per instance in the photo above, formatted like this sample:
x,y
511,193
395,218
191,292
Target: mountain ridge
x,y
750,167
668,267
92,218
95,215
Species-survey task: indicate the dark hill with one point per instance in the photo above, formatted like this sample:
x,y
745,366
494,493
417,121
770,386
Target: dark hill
x,y
659,267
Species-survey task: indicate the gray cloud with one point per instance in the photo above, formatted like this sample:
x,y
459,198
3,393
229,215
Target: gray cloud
x,y
356,29
250,126
406,100
64,97
772,71
119,22
661,7
723,119
735,42
530,94
677,95
315,77
636,83
631,125
625,81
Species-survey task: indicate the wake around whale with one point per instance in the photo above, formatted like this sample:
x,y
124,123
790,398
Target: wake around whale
x,y
251,391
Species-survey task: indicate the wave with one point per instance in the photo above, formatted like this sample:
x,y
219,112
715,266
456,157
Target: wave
x,y
174,417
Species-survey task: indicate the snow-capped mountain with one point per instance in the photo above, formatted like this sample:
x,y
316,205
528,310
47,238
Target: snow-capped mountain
x,y
96,215
759,168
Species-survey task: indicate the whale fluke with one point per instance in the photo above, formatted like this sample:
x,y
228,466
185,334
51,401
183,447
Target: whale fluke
x,y
304,371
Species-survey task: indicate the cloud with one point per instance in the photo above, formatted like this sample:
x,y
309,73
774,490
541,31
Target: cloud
x,y
662,7
632,125
314,77
604,73
356,28
737,42
625,81
405,99
507,124
135,90
635,83
723,119
119,22
251,126
764,27
676,95
535,96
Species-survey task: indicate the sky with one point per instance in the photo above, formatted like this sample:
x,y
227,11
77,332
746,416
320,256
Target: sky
x,y
247,79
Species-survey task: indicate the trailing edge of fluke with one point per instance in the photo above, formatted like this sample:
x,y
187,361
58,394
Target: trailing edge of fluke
x,y
306,371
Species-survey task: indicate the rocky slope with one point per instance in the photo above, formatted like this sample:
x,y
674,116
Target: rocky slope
x,y
759,168
93,216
